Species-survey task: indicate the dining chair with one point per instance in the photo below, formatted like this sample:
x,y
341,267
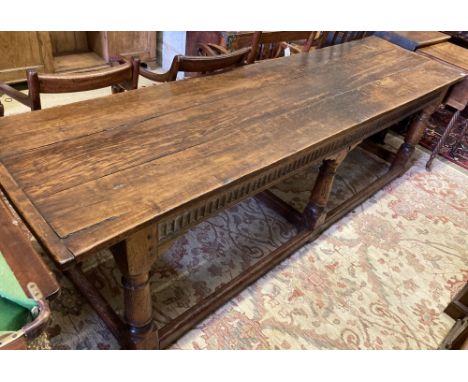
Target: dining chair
x,y
120,77
265,45
198,64
334,38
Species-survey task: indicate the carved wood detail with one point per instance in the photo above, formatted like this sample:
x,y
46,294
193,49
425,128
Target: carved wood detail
x,y
174,225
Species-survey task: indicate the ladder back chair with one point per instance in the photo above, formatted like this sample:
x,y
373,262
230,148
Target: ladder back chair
x,y
264,45
335,38
122,76
198,64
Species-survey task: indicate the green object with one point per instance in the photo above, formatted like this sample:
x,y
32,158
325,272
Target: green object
x,y
15,306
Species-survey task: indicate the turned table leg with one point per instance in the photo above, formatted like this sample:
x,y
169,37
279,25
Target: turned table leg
x,y
413,136
134,257
313,214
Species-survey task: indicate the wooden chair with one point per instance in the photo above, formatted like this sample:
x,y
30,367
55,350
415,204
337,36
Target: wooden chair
x,y
335,38
198,64
123,76
265,45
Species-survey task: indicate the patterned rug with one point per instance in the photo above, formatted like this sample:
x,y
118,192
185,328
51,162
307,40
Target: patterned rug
x,y
378,279
436,128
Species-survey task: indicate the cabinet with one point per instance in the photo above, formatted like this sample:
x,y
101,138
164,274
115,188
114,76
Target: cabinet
x,y
59,52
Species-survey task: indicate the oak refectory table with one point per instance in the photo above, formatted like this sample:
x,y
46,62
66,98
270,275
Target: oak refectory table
x,y
133,171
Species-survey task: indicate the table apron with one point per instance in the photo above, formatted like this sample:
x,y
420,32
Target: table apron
x,y
186,217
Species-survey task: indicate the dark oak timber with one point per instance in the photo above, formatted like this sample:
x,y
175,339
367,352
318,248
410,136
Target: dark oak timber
x,y
134,257
134,171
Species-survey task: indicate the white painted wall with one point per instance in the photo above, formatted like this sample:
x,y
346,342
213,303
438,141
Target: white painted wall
x,y
173,43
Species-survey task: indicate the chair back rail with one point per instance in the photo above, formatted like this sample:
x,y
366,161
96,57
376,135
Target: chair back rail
x,y
198,64
123,76
267,45
333,38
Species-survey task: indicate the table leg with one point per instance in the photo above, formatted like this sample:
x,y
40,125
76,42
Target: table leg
x,y
443,138
413,136
134,257
2,109
99,304
313,214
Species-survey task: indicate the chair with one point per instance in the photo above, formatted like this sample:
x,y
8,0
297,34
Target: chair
x,y
123,76
198,64
265,45
335,38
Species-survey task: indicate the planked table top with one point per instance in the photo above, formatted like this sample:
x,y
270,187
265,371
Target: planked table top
x,y
85,174
413,40
449,53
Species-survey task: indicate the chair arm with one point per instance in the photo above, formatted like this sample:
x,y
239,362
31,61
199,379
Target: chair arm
x,y
210,49
15,94
157,77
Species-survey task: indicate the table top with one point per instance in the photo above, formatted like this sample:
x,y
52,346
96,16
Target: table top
x,y
448,52
87,173
414,39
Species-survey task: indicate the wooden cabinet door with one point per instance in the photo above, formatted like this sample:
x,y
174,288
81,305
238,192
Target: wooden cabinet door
x,y
23,50
126,44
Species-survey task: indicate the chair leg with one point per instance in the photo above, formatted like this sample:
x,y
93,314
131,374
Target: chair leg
x,y
442,139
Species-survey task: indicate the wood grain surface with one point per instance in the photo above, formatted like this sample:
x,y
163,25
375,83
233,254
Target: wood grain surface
x,y
449,53
98,170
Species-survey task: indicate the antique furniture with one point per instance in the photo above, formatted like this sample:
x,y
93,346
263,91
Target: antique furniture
x,y
334,38
457,338
123,76
224,43
133,172
196,64
413,40
195,38
60,52
457,97
266,45
274,44
25,284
